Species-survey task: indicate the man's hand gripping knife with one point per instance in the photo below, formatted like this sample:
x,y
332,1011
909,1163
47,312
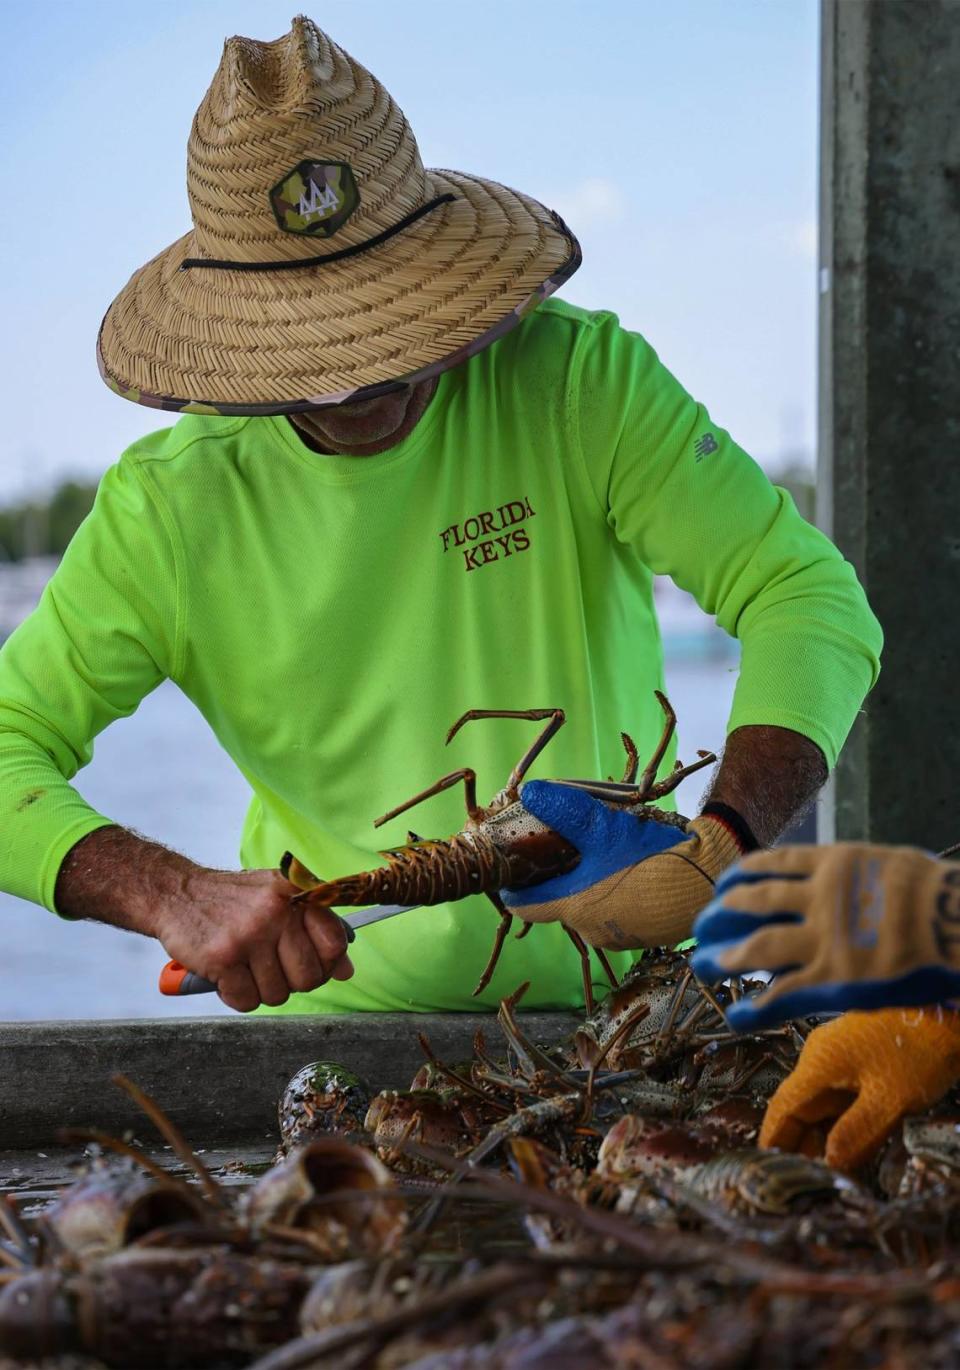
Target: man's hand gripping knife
x,y
639,883
238,929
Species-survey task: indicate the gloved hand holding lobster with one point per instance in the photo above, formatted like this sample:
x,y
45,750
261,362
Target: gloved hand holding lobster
x,y
639,883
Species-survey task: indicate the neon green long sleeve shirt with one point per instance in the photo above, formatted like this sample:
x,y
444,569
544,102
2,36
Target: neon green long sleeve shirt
x,y
331,616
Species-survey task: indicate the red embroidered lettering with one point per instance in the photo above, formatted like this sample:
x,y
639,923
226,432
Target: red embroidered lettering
x,y
487,522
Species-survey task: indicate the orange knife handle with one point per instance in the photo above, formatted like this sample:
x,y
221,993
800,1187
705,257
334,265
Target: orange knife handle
x,y
176,979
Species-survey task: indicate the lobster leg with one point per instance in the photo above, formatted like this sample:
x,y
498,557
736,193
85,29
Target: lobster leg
x,y
631,791
650,774
680,773
512,787
676,1001
633,759
584,953
619,792
469,779
556,717
506,918
608,970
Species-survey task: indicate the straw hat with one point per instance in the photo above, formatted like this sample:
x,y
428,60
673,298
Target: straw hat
x,y
325,264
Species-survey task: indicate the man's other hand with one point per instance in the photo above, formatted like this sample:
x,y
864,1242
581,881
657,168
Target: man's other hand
x,y
240,930
639,882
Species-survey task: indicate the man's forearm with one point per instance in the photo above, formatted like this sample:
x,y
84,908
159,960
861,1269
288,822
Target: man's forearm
x,y
769,776
241,930
116,877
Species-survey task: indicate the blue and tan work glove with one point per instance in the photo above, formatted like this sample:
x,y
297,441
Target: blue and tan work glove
x,y
847,926
639,883
857,1076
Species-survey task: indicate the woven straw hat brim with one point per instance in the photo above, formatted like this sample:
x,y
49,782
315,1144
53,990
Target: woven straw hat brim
x,y
277,342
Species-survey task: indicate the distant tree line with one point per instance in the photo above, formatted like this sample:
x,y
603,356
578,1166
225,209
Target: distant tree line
x,y
43,527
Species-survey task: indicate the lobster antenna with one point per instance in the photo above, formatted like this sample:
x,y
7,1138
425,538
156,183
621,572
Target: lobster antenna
x,y
172,1134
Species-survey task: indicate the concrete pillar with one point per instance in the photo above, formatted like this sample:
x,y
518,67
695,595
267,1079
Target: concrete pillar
x,y
889,460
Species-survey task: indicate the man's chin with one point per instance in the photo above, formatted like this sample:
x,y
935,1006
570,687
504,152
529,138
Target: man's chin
x,y
368,428
345,435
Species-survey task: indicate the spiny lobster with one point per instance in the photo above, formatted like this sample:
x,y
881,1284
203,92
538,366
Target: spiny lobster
x,y
501,844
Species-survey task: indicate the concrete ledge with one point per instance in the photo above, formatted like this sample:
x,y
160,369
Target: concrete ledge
x,y
218,1078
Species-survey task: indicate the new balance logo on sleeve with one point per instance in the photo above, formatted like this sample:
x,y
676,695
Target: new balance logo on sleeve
x,y
704,446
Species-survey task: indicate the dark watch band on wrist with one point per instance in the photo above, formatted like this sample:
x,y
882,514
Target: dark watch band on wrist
x,y
738,826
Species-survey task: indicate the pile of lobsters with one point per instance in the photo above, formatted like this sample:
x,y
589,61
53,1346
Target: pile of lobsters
x,y
601,1201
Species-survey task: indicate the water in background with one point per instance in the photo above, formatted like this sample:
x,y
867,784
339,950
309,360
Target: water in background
x,y
191,797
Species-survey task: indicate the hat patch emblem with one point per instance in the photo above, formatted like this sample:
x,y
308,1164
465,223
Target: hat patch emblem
x,y
315,198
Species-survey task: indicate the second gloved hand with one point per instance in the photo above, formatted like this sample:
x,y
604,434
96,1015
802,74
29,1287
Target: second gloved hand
x,y
852,925
857,1076
639,883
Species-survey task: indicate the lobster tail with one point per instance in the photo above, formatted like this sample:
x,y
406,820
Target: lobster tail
x,y
423,873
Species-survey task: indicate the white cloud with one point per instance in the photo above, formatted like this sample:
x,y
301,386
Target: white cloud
x,y
595,200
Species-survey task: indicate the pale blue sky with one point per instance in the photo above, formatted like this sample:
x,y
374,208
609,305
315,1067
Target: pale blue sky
x,y
678,137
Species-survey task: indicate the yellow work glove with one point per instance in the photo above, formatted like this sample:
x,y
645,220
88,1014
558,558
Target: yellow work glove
x,y
639,883
847,926
857,1076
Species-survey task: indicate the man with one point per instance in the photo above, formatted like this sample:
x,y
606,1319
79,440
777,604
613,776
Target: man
x,y
399,493
850,926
